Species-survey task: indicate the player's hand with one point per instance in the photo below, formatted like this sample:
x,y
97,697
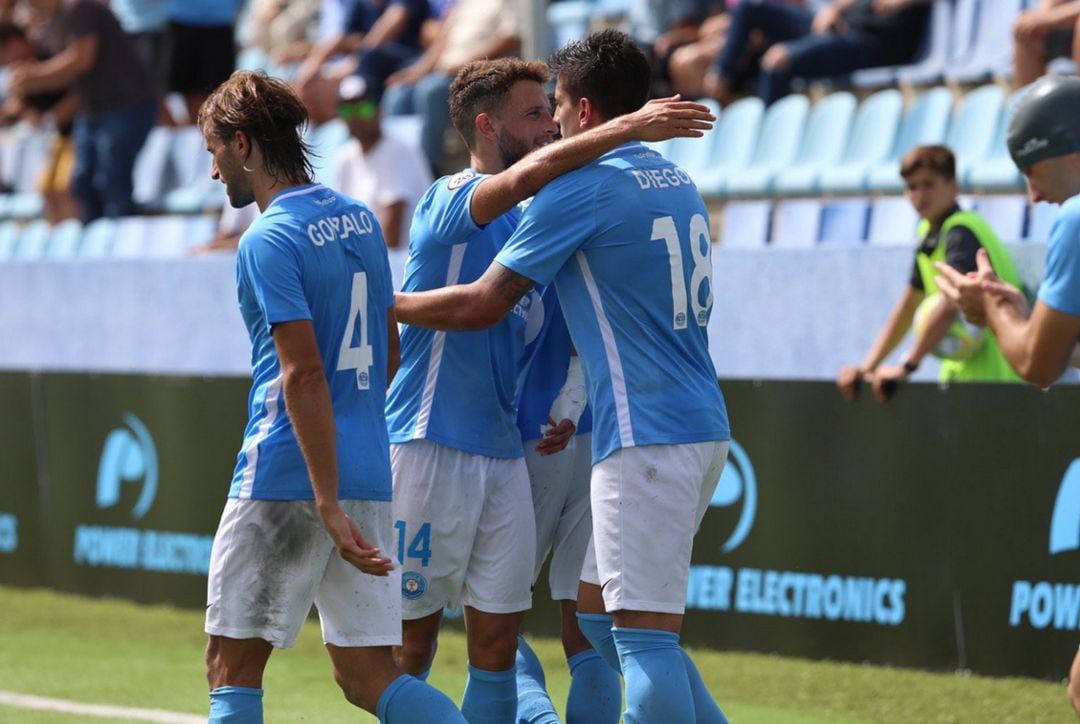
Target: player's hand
x,y
664,118
887,379
350,542
966,290
556,437
850,380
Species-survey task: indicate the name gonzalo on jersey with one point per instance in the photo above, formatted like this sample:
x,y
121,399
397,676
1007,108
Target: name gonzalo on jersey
x,y
336,228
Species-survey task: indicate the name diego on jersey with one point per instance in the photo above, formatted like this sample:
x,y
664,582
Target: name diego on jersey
x,y
336,228
661,178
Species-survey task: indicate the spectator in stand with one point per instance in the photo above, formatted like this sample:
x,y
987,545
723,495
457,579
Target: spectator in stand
x,y
275,26
661,26
144,21
386,174
473,30
200,48
380,36
54,110
843,36
1044,32
689,59
95,57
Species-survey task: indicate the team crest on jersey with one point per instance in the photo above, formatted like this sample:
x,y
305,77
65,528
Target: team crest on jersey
x,y
413,585
459,180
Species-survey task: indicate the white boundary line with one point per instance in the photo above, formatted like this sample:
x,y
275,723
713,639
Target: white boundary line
x,y
41,703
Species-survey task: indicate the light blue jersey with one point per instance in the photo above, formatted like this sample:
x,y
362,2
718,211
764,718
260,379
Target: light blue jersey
x,y
626,240
316,255
543,373
457,388
1060,286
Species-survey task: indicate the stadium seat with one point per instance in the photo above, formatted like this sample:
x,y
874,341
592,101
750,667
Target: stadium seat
x,y
26,206
991,49
97,239
872,138
64,240
9,237
131,238
152,173
1006,214
190,163
724,150
778,143
927,121
568,20
930,59
822,144
995,172
325,140
893,222
33,241
746,224
165,237
200,229
1043,215
796,223
973,126
844,222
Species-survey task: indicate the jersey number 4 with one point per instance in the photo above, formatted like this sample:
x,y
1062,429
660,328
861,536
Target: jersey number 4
x,y
357,357
663,229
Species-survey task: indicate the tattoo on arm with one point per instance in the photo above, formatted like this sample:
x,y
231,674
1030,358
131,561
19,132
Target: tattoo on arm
x,y
510,286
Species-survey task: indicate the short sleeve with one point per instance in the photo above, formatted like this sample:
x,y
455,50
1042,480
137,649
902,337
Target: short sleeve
x,y
916,281
447,208
561,217
275,273
961,248
1060,287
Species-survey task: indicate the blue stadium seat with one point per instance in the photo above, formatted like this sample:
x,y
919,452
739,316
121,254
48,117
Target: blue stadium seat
x,y
991,50
746,224
796,223
200,229
64,240
930,59
152,173
191,163
927,121
131,237
778,143
9,236
725,149
30,154
1005,213
995,172
26,206
872,136
33,241
97,239
1043,215
165,237
973,126
844,222
893,222
822,145
325,142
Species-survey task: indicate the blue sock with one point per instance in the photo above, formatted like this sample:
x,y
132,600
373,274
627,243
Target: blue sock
x,y
533,703
595,690
236,705
597,629
657,685
705,707
490,696
408,700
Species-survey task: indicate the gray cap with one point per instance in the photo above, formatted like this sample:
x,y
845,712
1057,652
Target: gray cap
x,y
1045,120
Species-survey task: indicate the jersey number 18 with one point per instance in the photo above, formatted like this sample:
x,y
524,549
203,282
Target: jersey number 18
x,y
663,229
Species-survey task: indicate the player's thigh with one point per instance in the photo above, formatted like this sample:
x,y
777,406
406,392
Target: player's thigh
x,y
497,581
550,480
266,564
357,609
645,507
438,498
573,532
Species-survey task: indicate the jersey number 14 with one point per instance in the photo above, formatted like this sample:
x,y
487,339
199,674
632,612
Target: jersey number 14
x,y
663,229
357,357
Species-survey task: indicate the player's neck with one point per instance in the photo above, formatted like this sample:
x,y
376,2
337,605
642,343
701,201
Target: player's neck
x,y
487,160
265,192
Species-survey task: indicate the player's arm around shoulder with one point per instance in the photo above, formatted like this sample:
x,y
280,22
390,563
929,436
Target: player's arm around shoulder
x,y
657,120
465,307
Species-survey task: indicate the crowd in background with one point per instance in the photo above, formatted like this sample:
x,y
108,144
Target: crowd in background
x,y
103,72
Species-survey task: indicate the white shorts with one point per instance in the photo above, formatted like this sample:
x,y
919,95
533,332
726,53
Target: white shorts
x,y
465,526
272,559
560,493
647,504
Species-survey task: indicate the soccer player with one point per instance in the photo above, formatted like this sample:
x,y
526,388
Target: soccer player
x,y
308,515
462,502
626,240
1044,142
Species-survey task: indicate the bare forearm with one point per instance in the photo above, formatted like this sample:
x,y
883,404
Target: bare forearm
x,y
307,399
451,309
1013,332
389,27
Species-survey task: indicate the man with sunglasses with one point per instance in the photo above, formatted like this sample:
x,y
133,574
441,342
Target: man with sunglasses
x,y
386,174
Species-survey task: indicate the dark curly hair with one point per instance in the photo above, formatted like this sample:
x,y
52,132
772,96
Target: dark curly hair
x,y
608,69
272,116
482,87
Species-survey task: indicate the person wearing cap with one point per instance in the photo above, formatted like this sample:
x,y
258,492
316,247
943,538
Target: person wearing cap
x,y
385,173
1039,341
